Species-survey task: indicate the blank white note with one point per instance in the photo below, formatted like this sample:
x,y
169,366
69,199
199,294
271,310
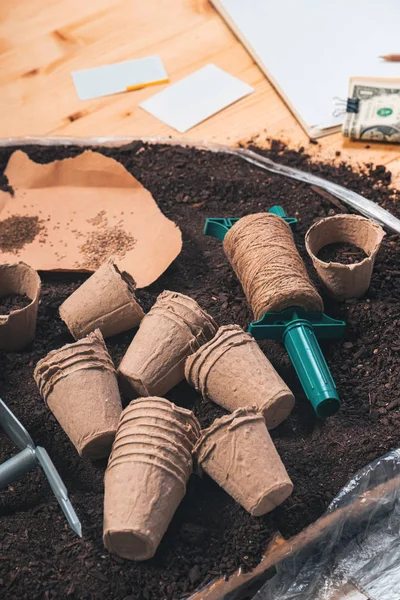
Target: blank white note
x,y
116,78
196,97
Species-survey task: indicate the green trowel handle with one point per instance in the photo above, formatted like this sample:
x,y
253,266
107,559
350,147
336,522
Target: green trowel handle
x,y
311,368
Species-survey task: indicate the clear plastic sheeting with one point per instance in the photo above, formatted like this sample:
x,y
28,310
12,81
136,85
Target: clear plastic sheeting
x,y
365,207
356,554
357,202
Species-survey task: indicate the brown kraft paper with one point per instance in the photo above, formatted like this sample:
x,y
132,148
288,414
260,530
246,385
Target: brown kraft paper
x,y
85,209
345,281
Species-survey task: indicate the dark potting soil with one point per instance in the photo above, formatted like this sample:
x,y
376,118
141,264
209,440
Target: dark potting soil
x,y
13,302
210,534
341,252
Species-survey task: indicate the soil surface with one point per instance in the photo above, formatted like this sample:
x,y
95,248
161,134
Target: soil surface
x,y
13,302
341,252
210,535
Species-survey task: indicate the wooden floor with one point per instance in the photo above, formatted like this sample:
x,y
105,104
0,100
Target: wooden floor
x,y
42,41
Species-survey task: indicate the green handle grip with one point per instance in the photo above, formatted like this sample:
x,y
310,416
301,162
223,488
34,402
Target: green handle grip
x,y
311,368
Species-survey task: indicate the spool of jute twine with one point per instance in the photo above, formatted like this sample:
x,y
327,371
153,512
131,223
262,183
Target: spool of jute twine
x,y
263,254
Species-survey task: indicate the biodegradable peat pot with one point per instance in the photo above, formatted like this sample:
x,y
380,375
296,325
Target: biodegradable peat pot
x,y
146,477
174,328
106,301
158,428
139,502
17,329
232,371
78,383
345,281
238,453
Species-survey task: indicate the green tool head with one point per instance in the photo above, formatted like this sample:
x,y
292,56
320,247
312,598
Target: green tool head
x,y
219,227
300,330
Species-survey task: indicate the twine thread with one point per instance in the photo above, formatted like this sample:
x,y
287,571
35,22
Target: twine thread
x,y
263,254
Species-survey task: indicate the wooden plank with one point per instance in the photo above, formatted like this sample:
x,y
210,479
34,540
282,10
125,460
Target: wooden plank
x,y
23,20
42,41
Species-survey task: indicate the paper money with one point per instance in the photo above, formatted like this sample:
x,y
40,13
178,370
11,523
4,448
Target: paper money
x,y
377,116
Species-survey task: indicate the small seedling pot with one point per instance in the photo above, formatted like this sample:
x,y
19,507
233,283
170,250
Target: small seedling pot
x,y
232,371
56,364
148,458
345,281
146,478
137,452
17,329
81,390
238,453
106,301
155,361
139,502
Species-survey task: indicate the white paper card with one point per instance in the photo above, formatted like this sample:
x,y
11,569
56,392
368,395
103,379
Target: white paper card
x,y
196,97
115,78
311,48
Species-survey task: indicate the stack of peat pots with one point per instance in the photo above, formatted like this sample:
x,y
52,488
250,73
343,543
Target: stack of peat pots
x,y
78,383
174,328
147,473
232,371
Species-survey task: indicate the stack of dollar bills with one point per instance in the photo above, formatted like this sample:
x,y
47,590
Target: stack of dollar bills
x,y
373,110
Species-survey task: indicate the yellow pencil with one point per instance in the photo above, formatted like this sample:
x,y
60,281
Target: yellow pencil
x,y
131,88
391,57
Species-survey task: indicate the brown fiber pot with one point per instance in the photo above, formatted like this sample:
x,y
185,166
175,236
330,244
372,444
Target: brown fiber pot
x,y
82,393
344,281
146,476
232,371
155,361
106,301
239,454
139,502
17,329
